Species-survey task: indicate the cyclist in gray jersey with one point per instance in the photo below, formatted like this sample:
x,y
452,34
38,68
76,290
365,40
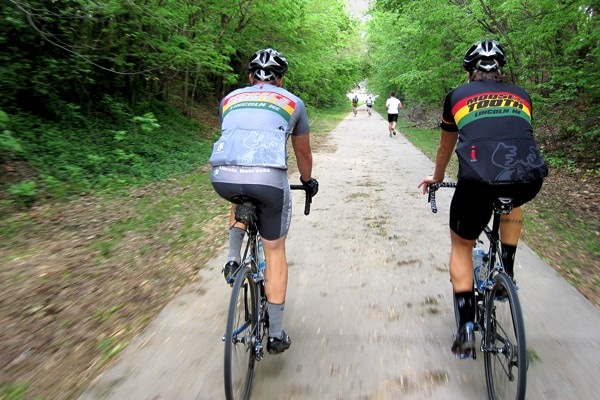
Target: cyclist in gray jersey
x,y
250,158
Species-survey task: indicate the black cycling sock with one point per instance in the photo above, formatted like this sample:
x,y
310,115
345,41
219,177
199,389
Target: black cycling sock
x,y
236,237
508,258
466,307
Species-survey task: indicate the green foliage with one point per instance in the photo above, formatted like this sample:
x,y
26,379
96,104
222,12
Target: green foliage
x,y
147,122
25,192
86,154
15,391
79,52
552,49
109,347
87,83
421,47
9,145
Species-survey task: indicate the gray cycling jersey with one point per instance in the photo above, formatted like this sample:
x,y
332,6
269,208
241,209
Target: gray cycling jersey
x,y
255,124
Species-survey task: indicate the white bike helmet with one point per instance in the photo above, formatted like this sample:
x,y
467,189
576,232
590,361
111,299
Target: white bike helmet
x,y
486,56
267,65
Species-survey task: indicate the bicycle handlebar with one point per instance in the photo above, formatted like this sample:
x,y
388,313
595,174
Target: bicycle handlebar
x,y
307,199
432,188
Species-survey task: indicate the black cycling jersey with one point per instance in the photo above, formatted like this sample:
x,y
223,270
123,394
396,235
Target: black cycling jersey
x,y
495,141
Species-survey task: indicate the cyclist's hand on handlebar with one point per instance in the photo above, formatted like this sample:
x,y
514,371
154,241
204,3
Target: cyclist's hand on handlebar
x,y
426,182
312,186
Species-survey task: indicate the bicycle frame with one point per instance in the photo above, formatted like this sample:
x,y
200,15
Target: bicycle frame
x,y
247,319
501,206
498,318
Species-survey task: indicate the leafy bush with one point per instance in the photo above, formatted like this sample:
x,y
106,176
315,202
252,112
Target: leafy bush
x,y
103,150
24,192
8,143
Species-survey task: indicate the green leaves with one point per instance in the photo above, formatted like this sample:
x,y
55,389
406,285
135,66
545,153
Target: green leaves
x,y
8,143
416,48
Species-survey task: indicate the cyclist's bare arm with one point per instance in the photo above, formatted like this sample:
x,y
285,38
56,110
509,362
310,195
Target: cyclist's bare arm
x,y
444,153
303,152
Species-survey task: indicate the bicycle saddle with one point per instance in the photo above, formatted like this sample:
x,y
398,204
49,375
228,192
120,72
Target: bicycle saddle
x,y
503,205
245,212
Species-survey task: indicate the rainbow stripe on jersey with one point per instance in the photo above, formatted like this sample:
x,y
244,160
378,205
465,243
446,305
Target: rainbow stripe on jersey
x,y
490,104
261,100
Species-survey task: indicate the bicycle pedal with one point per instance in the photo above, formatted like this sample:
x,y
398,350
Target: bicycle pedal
x,y
259,353
463,356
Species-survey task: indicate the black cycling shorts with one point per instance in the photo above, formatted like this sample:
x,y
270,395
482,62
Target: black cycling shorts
x,y
270,189
393,117
472,204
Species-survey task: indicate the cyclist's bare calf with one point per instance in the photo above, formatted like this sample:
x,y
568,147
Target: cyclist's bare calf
x,y
510,232
510,226
276,272
461,263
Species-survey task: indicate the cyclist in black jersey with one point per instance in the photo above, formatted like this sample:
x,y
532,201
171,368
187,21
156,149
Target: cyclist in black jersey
x,y
489,123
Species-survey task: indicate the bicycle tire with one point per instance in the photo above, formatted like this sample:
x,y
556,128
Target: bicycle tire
x,y
240,332
505,348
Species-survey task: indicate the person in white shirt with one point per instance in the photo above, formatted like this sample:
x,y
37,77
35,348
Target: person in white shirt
x,y
369,104
393,107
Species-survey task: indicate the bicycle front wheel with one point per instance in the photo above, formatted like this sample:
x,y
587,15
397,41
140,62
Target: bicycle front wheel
x,y
505,350
240,336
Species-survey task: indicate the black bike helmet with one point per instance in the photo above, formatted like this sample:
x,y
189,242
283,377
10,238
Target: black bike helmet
x,y
267,65
486,55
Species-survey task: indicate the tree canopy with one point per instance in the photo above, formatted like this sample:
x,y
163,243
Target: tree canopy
x,y
82,80
78,51
416,48
100,72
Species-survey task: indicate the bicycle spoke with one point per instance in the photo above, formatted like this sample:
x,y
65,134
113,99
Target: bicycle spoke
x,y
505,352
239,337
498,316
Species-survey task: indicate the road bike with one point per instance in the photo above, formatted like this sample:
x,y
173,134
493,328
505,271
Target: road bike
x,y
355,110
369,111
498,316
247,318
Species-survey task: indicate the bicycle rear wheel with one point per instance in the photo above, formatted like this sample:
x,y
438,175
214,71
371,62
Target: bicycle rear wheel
x,y
239,337
505,350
